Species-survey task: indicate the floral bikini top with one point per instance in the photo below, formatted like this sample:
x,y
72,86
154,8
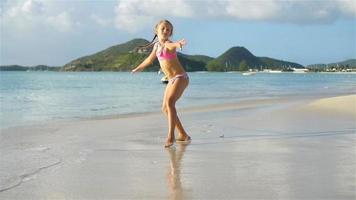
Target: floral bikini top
x,y
163,54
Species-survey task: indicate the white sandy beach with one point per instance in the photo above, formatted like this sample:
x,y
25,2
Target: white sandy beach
x,y
265,149
343,104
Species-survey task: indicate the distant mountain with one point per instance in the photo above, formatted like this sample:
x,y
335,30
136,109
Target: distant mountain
x,y
28,68
199,58
232,59
240,59
120,57
194,62
124,57
272,63
350,63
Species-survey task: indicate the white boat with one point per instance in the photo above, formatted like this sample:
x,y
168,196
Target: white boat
x,y
299,70
164,79
275,71
248,73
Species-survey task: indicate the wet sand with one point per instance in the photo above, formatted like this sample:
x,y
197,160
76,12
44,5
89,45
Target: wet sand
x,y
263,149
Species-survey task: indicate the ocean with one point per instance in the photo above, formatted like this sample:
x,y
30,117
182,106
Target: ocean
x,y
28,98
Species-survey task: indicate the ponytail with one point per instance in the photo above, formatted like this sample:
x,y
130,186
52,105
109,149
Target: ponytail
x,y
146,46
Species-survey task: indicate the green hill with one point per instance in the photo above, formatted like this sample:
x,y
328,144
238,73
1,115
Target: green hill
x,y
350,63
116,58
240,59
194,62
126,56
272,63
199,58
234,59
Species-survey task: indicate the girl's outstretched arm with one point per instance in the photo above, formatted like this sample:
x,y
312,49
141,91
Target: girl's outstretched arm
x,y
174,45
149,60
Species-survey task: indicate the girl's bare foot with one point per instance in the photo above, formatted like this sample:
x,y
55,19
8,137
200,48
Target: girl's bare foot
x,y
185,138
169,142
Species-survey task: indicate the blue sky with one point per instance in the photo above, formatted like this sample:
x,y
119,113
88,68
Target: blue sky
x,y
54,32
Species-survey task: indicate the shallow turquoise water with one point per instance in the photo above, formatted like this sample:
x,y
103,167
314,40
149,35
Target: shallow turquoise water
x,y
35,97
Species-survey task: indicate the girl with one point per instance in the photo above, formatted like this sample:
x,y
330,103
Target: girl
x,y
165,50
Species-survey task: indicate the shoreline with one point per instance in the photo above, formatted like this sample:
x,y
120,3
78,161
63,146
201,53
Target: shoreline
x,y
241,104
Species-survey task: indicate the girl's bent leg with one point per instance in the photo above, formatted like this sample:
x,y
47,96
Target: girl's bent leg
x,y
182,134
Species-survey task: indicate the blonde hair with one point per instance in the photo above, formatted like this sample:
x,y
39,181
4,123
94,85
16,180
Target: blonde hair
x,y
150,44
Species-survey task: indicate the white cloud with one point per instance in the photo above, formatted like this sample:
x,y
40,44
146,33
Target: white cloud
x,y
101,21
348,7
133,15
61,22
250,10
34,14
24,9
32,7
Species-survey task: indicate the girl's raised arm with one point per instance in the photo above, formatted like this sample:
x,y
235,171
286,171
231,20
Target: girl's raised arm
x,y
149,60
174,45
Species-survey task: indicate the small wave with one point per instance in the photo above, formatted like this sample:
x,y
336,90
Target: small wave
x,y
103,108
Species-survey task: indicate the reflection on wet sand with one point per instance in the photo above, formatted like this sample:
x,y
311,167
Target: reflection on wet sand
x,y
173,173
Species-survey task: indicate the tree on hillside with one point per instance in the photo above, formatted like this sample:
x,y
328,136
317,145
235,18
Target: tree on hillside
x,y
243,66
215,65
